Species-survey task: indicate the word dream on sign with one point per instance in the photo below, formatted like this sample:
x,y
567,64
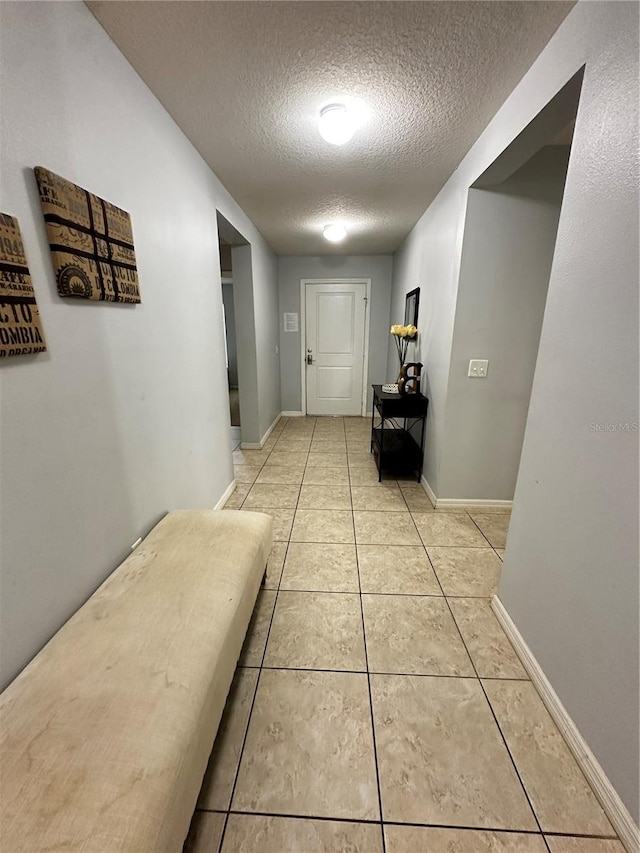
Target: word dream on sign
x,y
91,242
20,327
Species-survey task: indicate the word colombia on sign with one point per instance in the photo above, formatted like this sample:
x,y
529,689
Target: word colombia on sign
x,y
91,242
20,327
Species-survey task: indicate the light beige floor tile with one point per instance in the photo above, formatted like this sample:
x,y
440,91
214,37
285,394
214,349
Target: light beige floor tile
x,y
286,459
326,477
327,460
413,634
217,785
300,431
205,833
423,839
328,435
583,845
321,567
278,497
467,572
376,499
296,421
451,529
500,552
250,457
293,445
282,520
416,497
385,528
322,525
396,569
441,757
317,630
358,446
309,749
275,564
325,497
246,473
329,424
328,445
361,459
559,793
486,642
494,525
355,422
239,494
368,477
258,834
256,639
281,475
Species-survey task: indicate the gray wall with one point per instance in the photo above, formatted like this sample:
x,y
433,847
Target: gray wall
x,y
265,290
230,319
126,415
509,240
290,271
571,572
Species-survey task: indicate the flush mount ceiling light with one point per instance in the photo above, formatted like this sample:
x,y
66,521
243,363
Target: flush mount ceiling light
x,y
334,232
336,124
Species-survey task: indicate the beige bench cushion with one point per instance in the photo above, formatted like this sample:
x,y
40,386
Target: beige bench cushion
x,y
105,736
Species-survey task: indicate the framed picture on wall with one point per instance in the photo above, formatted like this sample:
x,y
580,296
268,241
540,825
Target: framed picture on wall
x,y
411,307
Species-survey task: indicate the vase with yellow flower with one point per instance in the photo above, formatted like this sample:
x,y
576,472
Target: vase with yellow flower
x,y
403,336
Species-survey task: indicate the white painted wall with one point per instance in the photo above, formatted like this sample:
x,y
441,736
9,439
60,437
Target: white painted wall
x,y
509,240
571,572
126,416
290,272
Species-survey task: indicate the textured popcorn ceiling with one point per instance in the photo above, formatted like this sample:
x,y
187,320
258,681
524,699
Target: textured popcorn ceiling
x,y
245,81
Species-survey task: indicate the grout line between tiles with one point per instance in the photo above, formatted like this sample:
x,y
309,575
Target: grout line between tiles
x,y
483,533
366,659
463,828
253,701
504,740
382,672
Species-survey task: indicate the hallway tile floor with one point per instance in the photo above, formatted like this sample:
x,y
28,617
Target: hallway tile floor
x,y
378,705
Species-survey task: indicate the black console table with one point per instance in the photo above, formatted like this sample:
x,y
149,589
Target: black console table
x,y
397,431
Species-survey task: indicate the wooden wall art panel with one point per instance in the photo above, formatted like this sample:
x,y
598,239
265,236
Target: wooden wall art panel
x,y
20,327
91,242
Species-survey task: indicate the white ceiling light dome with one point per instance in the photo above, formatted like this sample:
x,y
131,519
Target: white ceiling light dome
x,y
336,124
334,232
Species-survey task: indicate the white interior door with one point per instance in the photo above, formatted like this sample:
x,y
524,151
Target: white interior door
x,y
335,318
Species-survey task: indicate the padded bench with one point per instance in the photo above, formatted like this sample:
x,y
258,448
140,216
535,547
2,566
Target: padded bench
x,y
106,734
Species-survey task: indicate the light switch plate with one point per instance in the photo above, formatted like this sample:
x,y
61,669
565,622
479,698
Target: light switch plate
x,y
478,368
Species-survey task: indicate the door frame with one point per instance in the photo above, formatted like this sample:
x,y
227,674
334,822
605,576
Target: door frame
x,y
303,336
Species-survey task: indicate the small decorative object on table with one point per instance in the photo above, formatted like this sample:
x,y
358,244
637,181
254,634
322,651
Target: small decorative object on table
x,y
409,381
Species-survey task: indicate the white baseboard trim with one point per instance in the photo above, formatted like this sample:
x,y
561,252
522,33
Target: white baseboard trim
x,y
428,490
610,801
252,445
292,414
225,497
480,505
464,503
